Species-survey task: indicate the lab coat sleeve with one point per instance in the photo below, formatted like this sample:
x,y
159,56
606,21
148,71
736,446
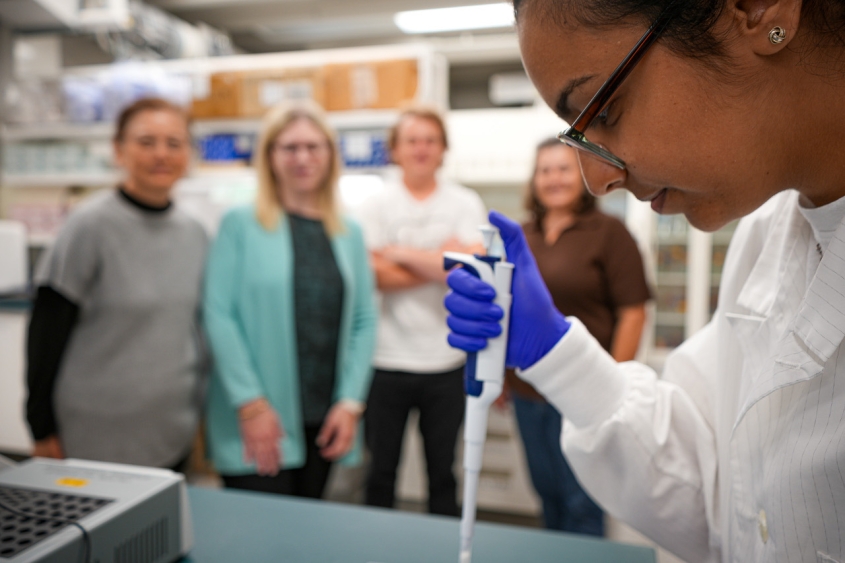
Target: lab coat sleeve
x,y
357,370
232,362
643,447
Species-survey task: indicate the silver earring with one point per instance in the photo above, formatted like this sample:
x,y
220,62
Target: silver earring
x,y
777,35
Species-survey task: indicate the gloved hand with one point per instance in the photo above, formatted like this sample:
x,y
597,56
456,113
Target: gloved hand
x,y
535,324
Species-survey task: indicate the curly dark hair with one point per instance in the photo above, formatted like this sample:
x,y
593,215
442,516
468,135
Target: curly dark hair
x,y
691,29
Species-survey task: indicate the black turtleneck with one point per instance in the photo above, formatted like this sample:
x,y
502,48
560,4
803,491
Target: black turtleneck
x,y
141,205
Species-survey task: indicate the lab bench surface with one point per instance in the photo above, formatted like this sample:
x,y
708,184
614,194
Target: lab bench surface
x,y
240,526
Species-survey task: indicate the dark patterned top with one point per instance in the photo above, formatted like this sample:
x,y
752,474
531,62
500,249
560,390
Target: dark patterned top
x,y
318,302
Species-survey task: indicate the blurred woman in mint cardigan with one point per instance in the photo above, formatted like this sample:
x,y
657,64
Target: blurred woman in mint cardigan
x,y
290,317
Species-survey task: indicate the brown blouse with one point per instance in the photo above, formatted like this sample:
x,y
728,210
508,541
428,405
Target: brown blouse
x,y
592,270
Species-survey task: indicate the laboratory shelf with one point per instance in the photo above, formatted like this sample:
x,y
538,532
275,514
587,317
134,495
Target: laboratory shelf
x,y
57,179
672,239
341,120
56,131
205,127
670,318
671,278
363,119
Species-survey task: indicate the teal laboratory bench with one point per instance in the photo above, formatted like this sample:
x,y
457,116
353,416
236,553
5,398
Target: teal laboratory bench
x,y
242,527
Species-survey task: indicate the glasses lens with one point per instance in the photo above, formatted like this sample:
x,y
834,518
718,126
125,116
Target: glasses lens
x,y
577,140
292,149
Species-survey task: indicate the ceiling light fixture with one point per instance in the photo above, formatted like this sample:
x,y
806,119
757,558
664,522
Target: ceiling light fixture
x,y
482,16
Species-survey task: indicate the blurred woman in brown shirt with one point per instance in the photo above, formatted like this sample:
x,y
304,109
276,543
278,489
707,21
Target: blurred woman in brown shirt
x,y
594,271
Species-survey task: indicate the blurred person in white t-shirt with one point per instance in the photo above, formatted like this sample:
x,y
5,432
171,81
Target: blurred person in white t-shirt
x,y
407,228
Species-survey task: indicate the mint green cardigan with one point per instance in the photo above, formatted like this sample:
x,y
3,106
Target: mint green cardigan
x,y
248,313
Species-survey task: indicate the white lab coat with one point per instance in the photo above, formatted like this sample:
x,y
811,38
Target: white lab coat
x,y
738,452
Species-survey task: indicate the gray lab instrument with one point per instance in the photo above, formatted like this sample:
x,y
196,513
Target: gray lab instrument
x,y
129,514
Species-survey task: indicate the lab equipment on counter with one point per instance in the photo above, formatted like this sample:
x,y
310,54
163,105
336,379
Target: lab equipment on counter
x,y
59,511
484,375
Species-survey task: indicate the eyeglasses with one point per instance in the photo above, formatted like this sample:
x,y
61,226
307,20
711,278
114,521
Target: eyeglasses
x,y
574,136
151,142
311,149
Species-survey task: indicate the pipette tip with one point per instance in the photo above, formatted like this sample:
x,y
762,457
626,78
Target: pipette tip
x,y
466,556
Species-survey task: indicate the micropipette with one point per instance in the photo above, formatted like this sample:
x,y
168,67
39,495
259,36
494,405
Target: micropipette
x,y
483,377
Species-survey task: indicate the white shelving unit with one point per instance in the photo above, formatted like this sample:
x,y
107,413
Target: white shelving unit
x,y
432,71
432,88
345,120
59,180
95,138
683,265
56,131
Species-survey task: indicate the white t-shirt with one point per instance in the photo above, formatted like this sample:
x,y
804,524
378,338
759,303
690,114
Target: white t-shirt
x,y
412,325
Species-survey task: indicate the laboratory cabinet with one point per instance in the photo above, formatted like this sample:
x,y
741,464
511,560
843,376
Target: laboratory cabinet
x,y
688,268
684,266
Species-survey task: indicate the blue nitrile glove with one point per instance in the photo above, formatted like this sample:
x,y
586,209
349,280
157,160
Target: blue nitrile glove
x,y
535,325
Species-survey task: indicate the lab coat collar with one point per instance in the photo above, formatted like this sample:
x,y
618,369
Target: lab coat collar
x,y
787,331
764,286
820,322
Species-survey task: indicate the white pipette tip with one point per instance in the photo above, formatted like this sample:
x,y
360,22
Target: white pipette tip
x,y
466,556
488,233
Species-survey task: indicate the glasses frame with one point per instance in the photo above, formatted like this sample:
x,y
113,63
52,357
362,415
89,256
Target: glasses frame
x,y
574,136
291,150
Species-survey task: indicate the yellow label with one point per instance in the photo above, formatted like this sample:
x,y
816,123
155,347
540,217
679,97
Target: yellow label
x,y
71,482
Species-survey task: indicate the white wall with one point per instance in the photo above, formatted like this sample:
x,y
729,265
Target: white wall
x,y
496,146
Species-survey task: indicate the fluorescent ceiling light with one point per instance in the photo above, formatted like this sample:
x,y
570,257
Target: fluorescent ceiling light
x,y
482,16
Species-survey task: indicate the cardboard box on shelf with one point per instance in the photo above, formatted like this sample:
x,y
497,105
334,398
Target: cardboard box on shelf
x,y
222,98
203,108
263,90
251,94
376,85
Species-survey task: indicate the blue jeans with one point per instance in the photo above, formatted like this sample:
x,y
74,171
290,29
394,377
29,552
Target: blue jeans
x,y
566,506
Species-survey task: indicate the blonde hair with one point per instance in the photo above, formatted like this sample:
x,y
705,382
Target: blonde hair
x,y
268,205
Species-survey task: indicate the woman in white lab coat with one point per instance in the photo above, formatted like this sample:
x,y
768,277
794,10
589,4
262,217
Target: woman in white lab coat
x,y
719,110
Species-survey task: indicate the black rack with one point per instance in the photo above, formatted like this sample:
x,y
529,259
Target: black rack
x,y
28,516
